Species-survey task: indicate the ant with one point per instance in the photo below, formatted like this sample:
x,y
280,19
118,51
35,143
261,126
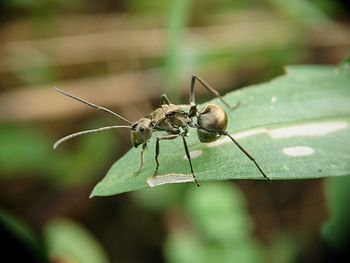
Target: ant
x,y
175,120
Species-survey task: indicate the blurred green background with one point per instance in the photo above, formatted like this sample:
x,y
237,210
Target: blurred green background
x,y
123,55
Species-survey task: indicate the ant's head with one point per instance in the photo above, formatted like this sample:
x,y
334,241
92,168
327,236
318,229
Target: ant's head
x,y
141,131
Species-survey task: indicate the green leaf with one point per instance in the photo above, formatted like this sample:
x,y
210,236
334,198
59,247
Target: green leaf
x,y
219,213
185,247
296,126
22,149
67,241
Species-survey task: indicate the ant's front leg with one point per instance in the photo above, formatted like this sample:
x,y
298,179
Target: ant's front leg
x,y
144,147
164,137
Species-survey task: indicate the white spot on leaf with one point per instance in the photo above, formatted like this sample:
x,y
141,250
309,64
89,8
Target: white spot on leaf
x,y
237,136
298,151
169,179
311,129
273,99
194,154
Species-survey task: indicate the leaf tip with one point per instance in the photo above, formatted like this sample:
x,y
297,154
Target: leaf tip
x,y
94,192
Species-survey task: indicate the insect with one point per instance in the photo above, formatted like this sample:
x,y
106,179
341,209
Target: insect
x,y
175,120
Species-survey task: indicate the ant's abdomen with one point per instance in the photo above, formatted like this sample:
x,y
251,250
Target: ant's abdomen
x,y
212,119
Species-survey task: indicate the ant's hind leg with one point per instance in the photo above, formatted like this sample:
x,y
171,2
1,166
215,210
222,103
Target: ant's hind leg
x,y
210,89
247,154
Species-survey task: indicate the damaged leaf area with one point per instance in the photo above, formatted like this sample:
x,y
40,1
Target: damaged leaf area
x,y
296,126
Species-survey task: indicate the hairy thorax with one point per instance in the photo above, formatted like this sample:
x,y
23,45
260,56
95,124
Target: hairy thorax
x,y
170,118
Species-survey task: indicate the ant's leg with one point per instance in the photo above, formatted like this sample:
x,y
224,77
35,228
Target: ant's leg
x,y
144,147
210,89
240,147
164,100
164,137
189,159
247,154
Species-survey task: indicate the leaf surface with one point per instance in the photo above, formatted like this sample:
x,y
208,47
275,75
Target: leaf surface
x,y
295,126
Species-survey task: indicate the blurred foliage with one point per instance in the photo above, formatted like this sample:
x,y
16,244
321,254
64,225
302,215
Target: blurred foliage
x,y
176,59
38,68
69,242
337,229
39,9
223,228
213,224
23,148
154,7
219,213
63,241
27,151
284,247
160,199
299,10
210,224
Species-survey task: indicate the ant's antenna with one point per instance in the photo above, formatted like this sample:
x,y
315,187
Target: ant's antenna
x,y
68,137
93,105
